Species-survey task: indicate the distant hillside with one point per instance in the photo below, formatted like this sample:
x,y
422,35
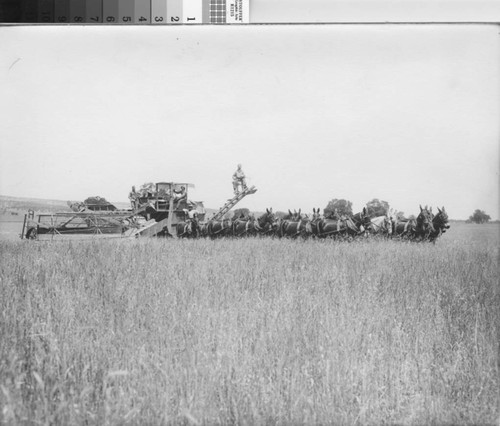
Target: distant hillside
x,y
22,205
9,204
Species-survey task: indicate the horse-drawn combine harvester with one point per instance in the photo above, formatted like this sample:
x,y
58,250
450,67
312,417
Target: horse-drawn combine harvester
x,y
156,210
164,209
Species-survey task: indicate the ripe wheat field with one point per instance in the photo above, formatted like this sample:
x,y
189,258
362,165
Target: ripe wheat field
x,y
251,331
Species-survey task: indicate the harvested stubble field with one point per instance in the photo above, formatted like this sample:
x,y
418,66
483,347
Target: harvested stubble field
x,y
251,331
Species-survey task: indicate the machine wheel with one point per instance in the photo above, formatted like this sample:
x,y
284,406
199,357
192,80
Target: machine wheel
x,y
32,234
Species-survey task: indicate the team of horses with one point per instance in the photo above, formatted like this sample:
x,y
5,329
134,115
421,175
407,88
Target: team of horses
x,y
427,226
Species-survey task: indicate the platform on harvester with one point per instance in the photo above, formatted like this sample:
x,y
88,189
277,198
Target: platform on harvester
x,y
165,202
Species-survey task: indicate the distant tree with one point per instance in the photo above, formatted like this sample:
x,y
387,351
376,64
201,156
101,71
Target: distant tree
x,y
400,215
479,216
343,207
396,214
377,207
280,214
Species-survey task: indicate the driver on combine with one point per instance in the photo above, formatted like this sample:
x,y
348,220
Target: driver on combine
x,y
191,213
192,216
179,195
239,179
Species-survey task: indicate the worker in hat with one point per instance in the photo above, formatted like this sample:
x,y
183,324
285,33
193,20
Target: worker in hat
x,y
179,195
239,180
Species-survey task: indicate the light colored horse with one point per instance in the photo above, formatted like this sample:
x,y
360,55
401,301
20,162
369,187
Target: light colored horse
x,y
380,225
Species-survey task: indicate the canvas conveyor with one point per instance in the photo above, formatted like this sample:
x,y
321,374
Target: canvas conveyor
x,y
232,202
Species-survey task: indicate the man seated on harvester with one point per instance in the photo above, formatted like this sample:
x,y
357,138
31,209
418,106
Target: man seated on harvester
x,y
179,195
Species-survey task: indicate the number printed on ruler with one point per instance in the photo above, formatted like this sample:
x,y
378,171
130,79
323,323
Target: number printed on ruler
x,y
77,11
158,11
142,12
93,11
61,11
126,11
174,11
192,12
110,11
46,11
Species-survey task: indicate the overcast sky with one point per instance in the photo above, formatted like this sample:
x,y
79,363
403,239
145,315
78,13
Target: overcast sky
x,y
405,113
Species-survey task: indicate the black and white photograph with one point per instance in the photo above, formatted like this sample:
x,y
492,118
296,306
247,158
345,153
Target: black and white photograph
x,y
276,223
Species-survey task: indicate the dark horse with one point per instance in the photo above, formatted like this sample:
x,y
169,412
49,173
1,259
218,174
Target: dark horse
x,y
338,225
361,220
424,227
342,227
404,228
440,225
245,227
266,224
219,228
188,229
315,219
294,225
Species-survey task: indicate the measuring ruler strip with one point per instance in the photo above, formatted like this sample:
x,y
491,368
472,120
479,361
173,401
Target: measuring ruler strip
x,y
93,11
126,12
46,11
29,11
159,12
192,12
77,11
110,11
61,11
174,11
142,12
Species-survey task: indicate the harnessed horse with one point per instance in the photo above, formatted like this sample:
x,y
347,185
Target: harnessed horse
x,y
267,223
381,225
424,227
342,227
440,225
294,225
361,220
245,227
315,219
203,230
187,229
404,228
219,228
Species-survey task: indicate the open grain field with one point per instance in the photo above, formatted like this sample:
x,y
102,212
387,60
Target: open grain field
x,y
254,331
